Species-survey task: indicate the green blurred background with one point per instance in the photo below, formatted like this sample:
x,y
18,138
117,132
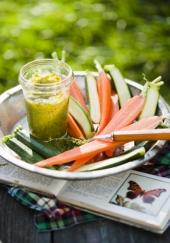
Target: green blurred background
x,y
133,34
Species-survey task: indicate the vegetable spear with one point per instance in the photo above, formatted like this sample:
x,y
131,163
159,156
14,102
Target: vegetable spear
x,y
104,92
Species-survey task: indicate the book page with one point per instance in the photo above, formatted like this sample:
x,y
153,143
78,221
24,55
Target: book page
x,y
11,174
100,189
114,196
134,197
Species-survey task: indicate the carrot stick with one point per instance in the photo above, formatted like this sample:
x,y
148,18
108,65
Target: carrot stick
x,y
91,148
109,153
115,109
147,123
73,128
105,99
77,94
94,147
115,104
80,162
126,115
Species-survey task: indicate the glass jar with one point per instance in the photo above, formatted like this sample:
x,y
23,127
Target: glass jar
x,y
46,84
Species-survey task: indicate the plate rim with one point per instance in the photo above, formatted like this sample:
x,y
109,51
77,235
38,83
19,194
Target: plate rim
x,y
82,175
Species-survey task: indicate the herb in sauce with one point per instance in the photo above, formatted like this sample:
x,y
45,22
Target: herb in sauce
x,y
47,114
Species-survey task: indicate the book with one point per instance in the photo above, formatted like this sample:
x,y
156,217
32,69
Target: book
x,y
131,197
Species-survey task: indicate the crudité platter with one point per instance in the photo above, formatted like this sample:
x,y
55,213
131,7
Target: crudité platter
x,y
13,114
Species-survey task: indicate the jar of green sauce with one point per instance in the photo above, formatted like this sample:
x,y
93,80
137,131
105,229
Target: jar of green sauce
x,y
46,84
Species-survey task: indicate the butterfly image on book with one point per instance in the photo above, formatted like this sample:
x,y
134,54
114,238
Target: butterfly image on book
x,y
147,196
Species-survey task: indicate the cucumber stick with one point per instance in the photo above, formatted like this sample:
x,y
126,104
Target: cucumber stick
x,y
23,151
93,98
135,154
151,98
119,83
42,148
82,117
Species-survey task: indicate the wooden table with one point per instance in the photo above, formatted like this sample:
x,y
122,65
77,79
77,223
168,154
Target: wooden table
x,y
16,226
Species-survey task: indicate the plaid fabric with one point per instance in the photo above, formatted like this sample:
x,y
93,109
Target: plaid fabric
x,y
53,215
43,222
160,165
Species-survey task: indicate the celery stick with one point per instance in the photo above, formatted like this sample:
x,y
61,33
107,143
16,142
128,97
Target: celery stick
x,y
119,83
145,89
93,98
151,98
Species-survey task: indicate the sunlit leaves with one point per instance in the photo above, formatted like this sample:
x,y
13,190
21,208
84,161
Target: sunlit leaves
x,y
134,34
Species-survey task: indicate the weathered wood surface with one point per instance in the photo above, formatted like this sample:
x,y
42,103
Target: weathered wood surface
x,y
16,223
16,226
106,231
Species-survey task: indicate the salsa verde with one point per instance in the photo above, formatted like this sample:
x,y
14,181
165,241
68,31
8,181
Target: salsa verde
x,y
47,115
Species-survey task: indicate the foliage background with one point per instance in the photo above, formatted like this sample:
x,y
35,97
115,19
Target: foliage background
x,y
133,34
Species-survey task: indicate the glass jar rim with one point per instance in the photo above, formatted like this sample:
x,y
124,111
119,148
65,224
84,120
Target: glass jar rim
x,y
37,62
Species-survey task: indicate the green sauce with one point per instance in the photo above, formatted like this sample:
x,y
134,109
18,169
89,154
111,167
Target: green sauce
x,y
45,78
47,116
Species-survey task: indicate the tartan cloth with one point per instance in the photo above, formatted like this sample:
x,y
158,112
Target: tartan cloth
x,y
54,215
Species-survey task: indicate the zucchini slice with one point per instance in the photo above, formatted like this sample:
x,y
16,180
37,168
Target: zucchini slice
x,y
22,150
82,117
135,154
42,148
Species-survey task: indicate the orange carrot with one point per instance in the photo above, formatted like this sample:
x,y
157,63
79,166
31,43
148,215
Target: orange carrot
x,y
73,128
146,123
97,146
115,109
126,115
83,151
97,158
94,147
105,99
90,159
80,162
98,89
115,105
114,125
75,91
109,153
